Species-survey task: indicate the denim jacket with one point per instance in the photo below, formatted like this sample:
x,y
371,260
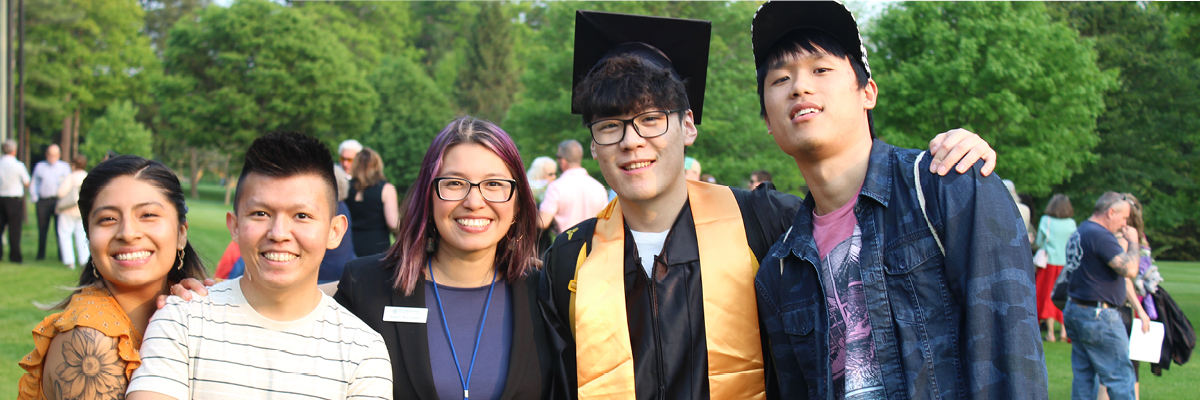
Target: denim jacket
x,y
961,325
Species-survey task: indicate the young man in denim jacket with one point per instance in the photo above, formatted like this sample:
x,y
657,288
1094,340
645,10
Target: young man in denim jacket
x,y
868,296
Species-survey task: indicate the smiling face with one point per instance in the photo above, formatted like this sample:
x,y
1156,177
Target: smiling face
x,y
641,169
813,102
283,227
471,225
134,234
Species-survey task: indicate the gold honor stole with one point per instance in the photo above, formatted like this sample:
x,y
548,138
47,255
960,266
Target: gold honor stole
x,y
727,266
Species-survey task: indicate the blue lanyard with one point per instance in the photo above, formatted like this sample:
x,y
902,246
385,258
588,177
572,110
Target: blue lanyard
x,y
465,382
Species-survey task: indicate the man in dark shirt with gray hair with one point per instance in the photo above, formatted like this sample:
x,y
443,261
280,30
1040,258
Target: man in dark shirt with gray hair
x,y
1099,263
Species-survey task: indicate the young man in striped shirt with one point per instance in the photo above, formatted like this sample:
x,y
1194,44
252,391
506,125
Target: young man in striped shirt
x,y
271,333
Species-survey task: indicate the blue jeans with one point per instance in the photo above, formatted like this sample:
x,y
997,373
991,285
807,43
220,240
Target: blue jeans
x,y
1099,349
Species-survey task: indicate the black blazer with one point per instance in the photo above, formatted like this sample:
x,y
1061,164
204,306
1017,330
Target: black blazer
x,y
366,288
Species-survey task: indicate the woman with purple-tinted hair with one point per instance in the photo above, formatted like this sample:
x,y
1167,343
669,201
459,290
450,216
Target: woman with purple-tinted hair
x,y
455,296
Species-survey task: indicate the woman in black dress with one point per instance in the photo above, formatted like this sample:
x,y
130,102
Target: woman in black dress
x,y
374,211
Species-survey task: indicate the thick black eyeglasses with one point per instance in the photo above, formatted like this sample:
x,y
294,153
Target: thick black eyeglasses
x,y
648,125
493,190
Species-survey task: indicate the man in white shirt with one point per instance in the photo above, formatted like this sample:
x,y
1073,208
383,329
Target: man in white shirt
x,y
271,333
13,180
47,175
575,195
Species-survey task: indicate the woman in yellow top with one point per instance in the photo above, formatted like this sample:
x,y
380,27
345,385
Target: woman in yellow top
x,y
135,219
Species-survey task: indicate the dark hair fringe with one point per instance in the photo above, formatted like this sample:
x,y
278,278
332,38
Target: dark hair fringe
x,y
160,177
626,84
285,154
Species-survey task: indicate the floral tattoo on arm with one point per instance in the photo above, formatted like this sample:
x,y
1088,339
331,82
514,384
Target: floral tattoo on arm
x,y
90,369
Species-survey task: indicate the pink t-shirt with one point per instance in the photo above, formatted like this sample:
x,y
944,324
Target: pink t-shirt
x,y
574,197
854,369
831,229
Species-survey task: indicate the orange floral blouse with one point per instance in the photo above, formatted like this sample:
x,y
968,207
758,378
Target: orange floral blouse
x,y
93,308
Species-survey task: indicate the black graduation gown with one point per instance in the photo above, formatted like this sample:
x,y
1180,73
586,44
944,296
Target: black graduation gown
x,y
665,311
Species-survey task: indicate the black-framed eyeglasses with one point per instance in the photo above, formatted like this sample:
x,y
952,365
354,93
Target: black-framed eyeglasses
x,y
493,190
648,125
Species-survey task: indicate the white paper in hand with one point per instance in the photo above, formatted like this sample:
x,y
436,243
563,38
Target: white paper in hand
x,y
1146,346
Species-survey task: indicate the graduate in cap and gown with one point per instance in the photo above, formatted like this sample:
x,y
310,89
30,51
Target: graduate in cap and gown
x,y
654,298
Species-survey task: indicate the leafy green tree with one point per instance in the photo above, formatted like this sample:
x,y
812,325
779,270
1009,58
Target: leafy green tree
x,y
488,79
161,15
1184,24
117,130
442,38
256,67
371,30
1026,83
412,110
83,55
1148,132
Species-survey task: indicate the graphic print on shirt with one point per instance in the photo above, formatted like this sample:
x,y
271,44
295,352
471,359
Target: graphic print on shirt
x,y
854,369
1074,253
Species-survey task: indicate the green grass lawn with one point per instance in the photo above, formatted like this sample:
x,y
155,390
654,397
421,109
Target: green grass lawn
x,y
39,281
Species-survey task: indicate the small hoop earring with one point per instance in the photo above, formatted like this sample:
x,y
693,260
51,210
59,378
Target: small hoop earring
x,y
95,272
180,256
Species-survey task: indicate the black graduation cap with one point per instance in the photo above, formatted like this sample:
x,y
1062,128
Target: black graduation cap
x,y
775,19
681,44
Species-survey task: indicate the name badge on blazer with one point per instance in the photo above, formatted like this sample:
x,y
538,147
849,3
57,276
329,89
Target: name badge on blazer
x,y
405,314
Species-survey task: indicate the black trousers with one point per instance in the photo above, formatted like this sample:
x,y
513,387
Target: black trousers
x,y
12,215
45,216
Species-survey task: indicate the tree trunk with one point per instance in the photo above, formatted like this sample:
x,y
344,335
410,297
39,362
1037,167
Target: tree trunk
x,y
65,138
24,145
75,138
195,175
24,134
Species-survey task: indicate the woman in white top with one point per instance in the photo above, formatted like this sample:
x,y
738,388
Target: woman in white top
x,y
70,222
